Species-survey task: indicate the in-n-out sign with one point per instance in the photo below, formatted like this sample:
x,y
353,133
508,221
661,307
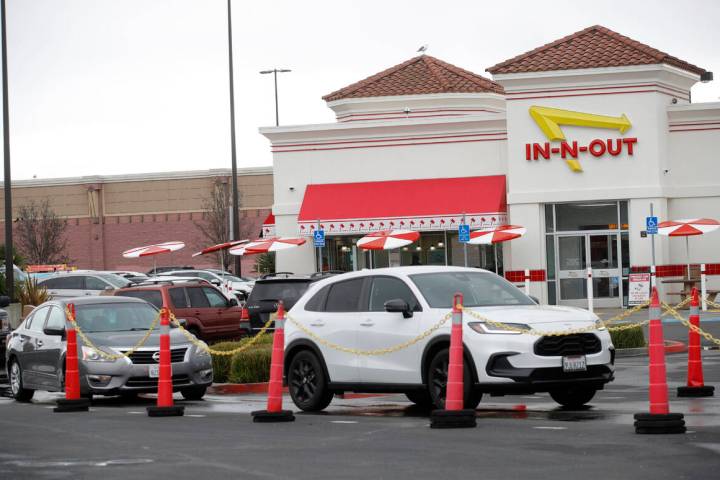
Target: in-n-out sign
x,y
549,121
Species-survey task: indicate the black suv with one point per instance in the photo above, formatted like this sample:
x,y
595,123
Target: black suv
x,y
266,293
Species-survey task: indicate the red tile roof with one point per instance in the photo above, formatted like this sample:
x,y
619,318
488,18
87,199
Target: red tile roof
x,y
417,76
594,47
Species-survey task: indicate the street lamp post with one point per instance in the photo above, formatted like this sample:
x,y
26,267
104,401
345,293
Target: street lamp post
x,y
9,271
275,71
233,152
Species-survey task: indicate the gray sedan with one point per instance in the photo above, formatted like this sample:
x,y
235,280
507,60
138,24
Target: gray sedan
x,y
36,351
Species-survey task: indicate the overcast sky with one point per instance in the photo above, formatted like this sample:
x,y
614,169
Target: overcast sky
x,y
129,86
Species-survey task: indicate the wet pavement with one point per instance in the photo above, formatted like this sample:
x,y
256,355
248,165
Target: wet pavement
x,y
371,437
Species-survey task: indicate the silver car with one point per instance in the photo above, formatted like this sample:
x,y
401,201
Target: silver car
x,y
78,283
36,351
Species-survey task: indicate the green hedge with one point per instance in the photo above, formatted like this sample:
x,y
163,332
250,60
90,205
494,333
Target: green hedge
x,y
630,338
222,364
251,366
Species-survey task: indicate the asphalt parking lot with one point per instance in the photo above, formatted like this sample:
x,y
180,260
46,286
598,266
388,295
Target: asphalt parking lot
x,y
372,437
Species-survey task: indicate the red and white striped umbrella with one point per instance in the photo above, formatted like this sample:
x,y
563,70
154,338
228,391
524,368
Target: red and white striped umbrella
x,y
684,228
496,235
219,247
388,239
149,250
266,245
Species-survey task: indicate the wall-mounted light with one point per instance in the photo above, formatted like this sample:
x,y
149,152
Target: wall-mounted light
x,y
432,247
441,244
418,248
405,249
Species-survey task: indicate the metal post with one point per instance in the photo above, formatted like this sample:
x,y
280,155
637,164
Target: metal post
x,y
590,289
464,244
527,282
233,153
9,271
703,287
446,247
277,112
319,250
652,245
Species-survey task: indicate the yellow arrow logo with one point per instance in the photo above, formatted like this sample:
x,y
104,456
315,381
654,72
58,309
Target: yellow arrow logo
x,y
550,119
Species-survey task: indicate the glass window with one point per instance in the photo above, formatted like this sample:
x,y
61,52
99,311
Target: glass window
x,y
388,288
289,291
572,253
197,298
549,221
56,319
479,289
153,297
550,252
115,317
586,216
92,283
625,248
177,297
344,296
37,321
216,299
70,282
552,298
317,302
117,281
624,215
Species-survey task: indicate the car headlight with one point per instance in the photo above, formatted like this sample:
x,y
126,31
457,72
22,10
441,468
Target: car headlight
x,y
600,325
92,355
201,349
482,327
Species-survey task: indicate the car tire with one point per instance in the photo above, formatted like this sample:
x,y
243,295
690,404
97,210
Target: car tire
x,y
194,393
19,392
307,383
195,331
573,397
437,382
421,398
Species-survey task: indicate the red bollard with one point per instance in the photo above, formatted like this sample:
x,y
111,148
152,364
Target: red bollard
x,y
695,384
659,420
72,401
165,407
454,416
274,412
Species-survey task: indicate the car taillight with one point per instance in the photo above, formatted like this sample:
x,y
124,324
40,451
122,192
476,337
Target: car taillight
x,y
245,314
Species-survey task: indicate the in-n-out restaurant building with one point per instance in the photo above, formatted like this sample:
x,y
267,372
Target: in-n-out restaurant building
x,y
573,140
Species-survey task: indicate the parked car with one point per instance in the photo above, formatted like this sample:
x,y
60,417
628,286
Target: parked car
x,y
4,328
82,283
208,313
134,277
264,297
36,351
374,309
237,286
158,270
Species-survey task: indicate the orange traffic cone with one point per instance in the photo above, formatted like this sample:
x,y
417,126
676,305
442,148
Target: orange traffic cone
x,y
659,420
72,401
274,412
454,416
165,407
695,385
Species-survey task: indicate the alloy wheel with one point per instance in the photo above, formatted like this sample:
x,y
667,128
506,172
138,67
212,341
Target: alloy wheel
x,y
439,382
304,381
15,376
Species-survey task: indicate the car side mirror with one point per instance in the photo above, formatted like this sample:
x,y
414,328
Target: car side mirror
x,y
534,299
233,302
4,301
60,332
399,305
182,322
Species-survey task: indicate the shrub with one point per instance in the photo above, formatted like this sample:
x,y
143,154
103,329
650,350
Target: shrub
x,y
31,293
222,363
251,366
630,338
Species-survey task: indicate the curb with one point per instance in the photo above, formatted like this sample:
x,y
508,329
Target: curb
x,y
671,346
259,388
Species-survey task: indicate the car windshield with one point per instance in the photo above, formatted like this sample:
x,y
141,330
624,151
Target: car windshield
x,y
115,317
115,280
479,289
288,292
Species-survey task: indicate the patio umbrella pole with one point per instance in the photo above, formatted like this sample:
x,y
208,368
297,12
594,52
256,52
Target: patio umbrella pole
x,y
687,254
495,253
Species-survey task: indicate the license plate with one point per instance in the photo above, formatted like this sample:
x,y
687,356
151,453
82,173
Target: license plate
x,y
153,371
574,363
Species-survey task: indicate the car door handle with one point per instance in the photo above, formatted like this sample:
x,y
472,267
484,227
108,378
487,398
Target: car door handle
x,y
88,293
39,343
367,323
318,324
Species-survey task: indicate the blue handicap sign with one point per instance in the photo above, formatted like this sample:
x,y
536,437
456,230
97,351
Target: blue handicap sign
x,y
319,238
651,225
463,233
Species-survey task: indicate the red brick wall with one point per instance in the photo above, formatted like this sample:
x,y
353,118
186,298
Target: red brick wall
x,y
99,246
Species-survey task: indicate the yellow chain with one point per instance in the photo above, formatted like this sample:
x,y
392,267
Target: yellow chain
x,y
110,356
689,325
202,345
368,353
626,313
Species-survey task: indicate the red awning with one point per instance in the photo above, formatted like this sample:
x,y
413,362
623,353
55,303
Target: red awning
x,y
427,204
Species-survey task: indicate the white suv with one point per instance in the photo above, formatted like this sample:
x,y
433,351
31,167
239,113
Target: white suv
x,y
376,309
